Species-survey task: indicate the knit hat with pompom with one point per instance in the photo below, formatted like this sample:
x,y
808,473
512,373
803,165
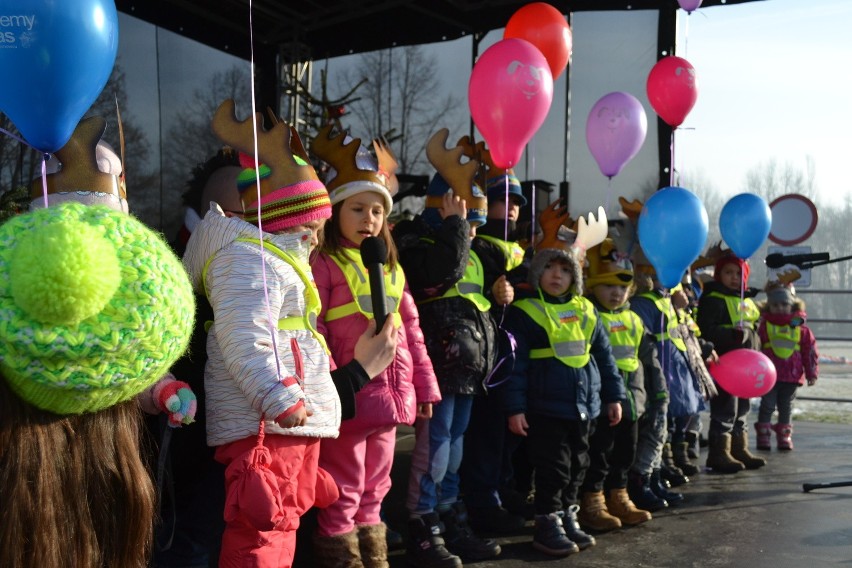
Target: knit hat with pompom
x,y
95,307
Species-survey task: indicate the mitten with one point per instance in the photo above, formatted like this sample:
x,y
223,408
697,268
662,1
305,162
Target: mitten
x,y
176,399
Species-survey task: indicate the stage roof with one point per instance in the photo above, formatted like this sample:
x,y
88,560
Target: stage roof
x,y
327,28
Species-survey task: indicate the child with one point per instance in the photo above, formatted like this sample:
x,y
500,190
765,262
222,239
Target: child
x,y
653,303
447,282
563,372
74,490
728,321
791,346
605,504
270,397
487,479
360,459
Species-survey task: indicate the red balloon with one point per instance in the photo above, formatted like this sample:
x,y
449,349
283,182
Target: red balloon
x,y
745,373
672,89
546,28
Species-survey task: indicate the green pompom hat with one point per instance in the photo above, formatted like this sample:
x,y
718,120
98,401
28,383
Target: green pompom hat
x,y
94,307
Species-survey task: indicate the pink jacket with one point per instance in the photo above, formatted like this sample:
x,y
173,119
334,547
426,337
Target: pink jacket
x,y
803,363
391,397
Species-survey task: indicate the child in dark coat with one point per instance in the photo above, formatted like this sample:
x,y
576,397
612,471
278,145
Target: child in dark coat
x,y
564,373
446,280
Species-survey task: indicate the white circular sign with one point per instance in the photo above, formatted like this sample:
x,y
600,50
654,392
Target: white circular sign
x,y
794,219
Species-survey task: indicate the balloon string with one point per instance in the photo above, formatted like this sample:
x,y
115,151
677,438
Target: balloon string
x,y
672,165
742,298
531,175
44,159
506,214
607,201
686,36
273,331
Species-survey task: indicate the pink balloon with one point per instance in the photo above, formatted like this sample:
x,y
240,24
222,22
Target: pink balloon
x,y
509,94
615,131
672,89
745,373
689,5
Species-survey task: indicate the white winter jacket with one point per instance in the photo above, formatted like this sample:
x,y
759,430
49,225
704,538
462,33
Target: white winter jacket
x,y
241,378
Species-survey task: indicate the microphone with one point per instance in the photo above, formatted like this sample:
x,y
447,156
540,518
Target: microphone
x,y
374,255
777,260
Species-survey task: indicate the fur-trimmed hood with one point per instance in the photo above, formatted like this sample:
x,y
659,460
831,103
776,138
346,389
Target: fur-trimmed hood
x,y
542,257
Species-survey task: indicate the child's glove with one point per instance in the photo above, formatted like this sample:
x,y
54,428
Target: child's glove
x,y
177,400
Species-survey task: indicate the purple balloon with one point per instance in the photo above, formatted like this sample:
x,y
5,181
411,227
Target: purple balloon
x,y
615,130
690,5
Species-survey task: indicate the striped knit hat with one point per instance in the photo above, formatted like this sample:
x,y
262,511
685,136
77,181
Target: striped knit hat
x,y
286,207
95,306
290,191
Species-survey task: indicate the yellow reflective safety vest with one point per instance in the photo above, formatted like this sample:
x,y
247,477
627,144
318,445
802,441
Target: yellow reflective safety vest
x,y
625,330
358,279
469,285
513,252
306,321
569,328
745,310
664,304
784,340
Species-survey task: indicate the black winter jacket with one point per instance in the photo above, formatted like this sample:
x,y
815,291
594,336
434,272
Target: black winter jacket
x,y
460,339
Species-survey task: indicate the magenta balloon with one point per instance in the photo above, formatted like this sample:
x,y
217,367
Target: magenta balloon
x,y
689,5
509,94
615,131
745,373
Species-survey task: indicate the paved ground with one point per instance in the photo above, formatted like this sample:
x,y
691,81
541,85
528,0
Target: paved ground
x,y
754,519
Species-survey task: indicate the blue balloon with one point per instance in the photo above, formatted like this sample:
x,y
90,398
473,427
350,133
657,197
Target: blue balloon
x,y
55,58
745,223
672,232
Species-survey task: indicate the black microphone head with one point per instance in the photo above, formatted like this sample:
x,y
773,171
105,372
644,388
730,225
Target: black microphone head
x,y
775,260
374,251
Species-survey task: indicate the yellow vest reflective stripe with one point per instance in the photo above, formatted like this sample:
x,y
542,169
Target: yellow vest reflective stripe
x,y
511,250
469,286
664,304
306,321
783,339
746,310
625,334
568,326
359,284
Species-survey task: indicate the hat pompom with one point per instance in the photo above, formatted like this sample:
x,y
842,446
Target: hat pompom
x,y
64,273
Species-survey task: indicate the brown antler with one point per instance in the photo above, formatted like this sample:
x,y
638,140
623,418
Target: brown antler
x,y
448,163
80,170
631,209
388,163
341,156
273,146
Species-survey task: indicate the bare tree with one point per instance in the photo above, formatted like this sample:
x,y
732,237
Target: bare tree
x,y
771,179
402,99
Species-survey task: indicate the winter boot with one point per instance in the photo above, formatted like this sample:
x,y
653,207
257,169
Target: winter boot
x,y
372,540
619,504
573,530
739,451
692,445
593,514
658,487
784,434
459,538
338,551
639,490
680,452
669,470
719,457
426,547
550,538
764,435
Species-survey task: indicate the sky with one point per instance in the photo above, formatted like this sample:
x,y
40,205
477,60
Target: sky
x,y
773,84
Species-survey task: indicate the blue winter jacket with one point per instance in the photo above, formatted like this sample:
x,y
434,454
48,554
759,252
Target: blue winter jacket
x,y
551,388
684,395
